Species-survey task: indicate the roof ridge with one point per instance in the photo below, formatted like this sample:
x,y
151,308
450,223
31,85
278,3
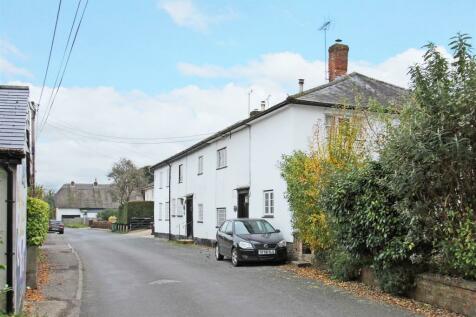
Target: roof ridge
x,y
18,87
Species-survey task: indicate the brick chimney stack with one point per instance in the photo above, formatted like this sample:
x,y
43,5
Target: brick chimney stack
x,y
338,60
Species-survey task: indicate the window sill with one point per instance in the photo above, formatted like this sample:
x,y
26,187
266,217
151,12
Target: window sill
x,y
220,168
268,216
199,221
173,216
179,216
198,174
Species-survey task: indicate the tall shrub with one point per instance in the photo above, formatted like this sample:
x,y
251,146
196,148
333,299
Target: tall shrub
x,y
37,221
306,174
430,158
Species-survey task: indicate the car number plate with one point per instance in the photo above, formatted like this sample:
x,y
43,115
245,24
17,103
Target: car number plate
x,y
264,252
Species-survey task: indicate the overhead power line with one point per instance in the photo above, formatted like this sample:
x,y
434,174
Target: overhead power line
x,y
164,141
64,69
115,137
51,50
64,53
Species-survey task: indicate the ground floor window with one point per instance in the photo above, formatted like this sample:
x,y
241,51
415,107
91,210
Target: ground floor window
x,y
173,208
161,206
200,212
221,216
268,203
166,211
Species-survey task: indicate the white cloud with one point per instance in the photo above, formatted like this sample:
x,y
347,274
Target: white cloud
x,y
284,68
70,152
7,68
186,14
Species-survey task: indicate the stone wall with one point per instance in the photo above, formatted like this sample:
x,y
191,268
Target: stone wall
x,y
454,294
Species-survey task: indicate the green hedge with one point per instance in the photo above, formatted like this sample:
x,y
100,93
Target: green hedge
x,y
141,209
37,221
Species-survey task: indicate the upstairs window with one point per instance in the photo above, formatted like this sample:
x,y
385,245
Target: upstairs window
x,y
180,173
200,165
166,211
167,178
200,212
161,180
268,203
221,158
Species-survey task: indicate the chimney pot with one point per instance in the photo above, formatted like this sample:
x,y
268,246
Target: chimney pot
x,y
72,183
301,85
263,105
338,60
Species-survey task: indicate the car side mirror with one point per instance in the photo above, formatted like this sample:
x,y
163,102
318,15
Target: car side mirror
x,y
217,227
229,233
277,231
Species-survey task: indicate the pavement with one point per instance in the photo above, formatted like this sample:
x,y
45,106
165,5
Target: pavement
x,y
130,275
63,290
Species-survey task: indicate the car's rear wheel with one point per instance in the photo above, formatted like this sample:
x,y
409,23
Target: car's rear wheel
x,y
234,258
218,256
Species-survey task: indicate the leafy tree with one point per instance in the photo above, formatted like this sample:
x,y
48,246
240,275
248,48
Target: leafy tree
x,y
430,158
127,178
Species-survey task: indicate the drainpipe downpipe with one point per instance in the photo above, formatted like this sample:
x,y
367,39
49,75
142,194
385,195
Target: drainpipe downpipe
x,y
9,253
170,186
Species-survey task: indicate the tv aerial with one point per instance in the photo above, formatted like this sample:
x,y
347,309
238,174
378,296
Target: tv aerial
x,y
324,28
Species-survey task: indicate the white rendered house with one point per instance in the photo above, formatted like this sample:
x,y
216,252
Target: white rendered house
x,y
235,172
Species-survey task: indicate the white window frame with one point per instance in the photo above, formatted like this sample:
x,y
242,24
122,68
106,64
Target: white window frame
x,y
167,211
200,165
200,213
221,158
161,207
268,202
221,221
180,173
173,210
161,180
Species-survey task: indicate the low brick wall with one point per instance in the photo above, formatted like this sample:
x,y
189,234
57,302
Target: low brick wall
x,y
100,224
454,294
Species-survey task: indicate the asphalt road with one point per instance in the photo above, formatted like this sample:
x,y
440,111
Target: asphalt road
x,y
136,276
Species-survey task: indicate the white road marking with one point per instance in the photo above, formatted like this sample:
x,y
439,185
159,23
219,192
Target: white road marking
x,y
162,282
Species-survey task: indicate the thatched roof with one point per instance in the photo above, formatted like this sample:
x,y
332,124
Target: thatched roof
x,y
86,196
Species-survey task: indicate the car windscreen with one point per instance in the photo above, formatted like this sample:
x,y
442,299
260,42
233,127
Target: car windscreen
x,y
253,227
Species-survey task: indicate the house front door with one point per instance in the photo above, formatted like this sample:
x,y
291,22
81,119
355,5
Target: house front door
x,y
243,202
190,217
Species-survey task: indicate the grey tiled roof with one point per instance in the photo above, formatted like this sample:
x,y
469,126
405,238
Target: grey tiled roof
x,y
86,196
13,118
346,89
343,91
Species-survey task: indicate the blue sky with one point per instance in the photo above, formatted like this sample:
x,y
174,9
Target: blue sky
x,y
137,45
162,68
